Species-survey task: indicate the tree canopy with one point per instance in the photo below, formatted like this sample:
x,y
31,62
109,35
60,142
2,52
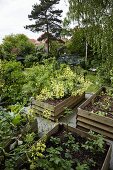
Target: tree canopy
x,y
96,17
46,17
14,46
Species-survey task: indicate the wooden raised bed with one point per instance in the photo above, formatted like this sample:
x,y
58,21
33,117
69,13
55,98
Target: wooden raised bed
x,y
59,127
57,110
106,162
87,120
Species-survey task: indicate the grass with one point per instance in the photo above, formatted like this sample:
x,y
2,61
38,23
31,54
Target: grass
x,y
94,80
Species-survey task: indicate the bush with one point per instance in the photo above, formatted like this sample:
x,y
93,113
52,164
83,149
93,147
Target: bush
x,y
16,46
104,75
52,81
12,80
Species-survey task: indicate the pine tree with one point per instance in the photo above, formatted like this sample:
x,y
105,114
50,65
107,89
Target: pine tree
x,y
47,19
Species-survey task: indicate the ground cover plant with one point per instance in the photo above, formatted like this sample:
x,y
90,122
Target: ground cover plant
x,y
66,150
103,104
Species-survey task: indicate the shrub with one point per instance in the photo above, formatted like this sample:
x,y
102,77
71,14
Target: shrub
x,y
53,81
12,80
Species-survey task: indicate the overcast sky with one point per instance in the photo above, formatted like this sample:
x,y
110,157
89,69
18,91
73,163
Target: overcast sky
x,y
14,16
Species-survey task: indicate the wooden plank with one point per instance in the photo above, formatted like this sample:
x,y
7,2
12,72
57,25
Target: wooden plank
x,y
103,132
69,102
41,110
44,105
107,159
91,98
95,124
38,108
77,131
92,116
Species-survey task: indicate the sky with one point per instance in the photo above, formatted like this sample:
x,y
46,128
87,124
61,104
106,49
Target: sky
x,y
14,16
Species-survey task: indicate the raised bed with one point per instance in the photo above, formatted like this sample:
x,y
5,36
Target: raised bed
x,y
88,120
60,130
57,110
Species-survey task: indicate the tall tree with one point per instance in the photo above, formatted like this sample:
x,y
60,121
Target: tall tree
x,y
47,19
96,16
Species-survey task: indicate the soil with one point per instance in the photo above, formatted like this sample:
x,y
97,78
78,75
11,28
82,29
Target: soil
x,y
55,102
81,155
103,102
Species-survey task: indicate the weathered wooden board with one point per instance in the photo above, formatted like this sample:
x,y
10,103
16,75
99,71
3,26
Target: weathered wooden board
x,y
91,121
57,111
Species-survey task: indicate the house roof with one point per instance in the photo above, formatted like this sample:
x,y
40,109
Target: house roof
x,y
35,42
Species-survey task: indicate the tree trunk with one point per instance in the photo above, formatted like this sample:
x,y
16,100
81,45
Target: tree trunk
x,y
86,53
48,40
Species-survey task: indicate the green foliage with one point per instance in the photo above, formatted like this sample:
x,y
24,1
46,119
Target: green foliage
x,y
68,111
55,140
54,81
37,150
19,150
59,151
13,142
30,60
66,31
12,80
10,124
100,113
54,47
29,137
105,75
93,78
96,17
82,166
16,46
97,144
77,42
39,56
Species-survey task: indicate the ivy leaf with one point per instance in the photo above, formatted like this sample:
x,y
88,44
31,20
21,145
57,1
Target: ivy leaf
x,y
57,160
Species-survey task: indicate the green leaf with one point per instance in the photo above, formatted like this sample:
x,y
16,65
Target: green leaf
x,y
17,119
